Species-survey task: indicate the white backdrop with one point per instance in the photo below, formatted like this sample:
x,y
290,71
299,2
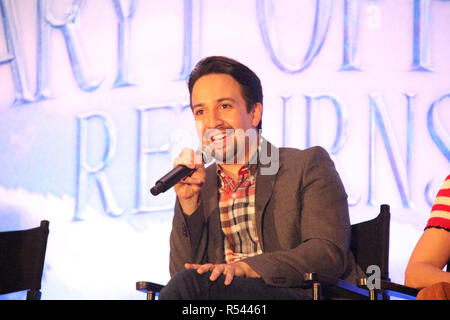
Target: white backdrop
x,y
93,109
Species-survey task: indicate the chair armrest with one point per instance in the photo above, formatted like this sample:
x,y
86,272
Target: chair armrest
x,y
150,288
393,289
315,280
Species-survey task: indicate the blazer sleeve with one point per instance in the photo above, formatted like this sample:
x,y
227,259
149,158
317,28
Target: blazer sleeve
x,y
187,238
324,227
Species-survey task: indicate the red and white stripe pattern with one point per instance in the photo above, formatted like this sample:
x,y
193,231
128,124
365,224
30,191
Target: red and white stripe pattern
x,y
440,212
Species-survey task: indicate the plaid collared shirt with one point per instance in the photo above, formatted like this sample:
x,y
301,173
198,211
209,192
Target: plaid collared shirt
x,y
237,214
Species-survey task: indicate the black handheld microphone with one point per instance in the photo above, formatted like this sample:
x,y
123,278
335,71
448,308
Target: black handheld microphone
x,y
179,172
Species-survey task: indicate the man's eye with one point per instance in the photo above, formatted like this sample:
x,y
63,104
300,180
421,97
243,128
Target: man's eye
x,y
198,112
225,106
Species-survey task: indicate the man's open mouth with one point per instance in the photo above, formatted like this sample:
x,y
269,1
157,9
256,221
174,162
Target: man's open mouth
x,y
218,137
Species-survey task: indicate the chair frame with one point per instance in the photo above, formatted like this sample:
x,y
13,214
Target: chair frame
x,y
149,288
25,267
361,289
388,289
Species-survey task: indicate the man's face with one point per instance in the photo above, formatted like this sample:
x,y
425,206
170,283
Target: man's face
x,y
219,111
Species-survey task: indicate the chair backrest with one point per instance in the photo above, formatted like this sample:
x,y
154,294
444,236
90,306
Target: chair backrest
x,y
370,242
22,255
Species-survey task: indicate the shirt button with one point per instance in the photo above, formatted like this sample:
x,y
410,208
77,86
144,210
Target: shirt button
x,y
185,232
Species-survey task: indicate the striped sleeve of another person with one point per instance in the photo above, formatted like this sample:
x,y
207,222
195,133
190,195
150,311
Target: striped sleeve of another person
x,y
440,211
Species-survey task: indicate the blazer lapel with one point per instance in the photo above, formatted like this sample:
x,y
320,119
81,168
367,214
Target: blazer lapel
x,y
210,196
212,216
265,181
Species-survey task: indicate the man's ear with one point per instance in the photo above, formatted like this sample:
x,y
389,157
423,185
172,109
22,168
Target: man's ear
x,y
257,114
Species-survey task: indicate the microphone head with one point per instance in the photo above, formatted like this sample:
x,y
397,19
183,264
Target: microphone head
x,y
155,191
157,188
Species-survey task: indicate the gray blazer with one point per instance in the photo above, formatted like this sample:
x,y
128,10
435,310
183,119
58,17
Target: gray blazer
x,y
301,216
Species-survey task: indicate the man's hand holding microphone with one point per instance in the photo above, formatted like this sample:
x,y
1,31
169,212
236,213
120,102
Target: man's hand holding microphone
x,y
188,188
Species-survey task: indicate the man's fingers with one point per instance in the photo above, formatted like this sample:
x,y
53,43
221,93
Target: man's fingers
x,y
216,272
192,180
226,270
201,268
204,268
229,276
189,159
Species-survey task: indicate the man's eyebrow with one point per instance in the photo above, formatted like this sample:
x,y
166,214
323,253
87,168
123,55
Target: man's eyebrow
x,y
224,99
198,105
217,101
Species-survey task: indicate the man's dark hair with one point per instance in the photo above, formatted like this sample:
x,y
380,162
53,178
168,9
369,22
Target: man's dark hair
x,y
251,88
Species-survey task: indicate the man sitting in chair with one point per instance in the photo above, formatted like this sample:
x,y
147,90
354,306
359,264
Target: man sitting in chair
x,y
250,225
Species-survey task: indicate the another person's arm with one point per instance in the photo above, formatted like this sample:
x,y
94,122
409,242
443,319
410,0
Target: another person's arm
x,y
432,251
429,257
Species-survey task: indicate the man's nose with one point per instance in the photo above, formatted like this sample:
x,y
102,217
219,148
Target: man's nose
x,y
214,120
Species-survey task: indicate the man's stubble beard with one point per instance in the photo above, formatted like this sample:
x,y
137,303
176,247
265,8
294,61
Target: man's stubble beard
x,y
237,148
